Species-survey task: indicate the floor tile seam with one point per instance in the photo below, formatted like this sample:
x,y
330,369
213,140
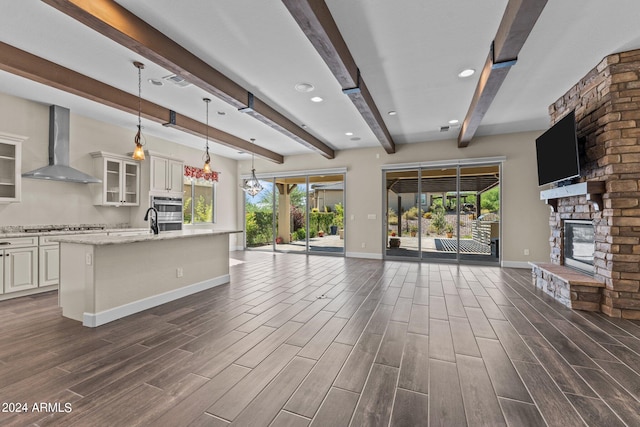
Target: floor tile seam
x,y
562,392
542,335
361,393
536,357
292,413
395,390
257,394
604,371
309,373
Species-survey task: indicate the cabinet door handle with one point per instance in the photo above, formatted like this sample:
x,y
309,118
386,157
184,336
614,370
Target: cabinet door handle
x,y
5,243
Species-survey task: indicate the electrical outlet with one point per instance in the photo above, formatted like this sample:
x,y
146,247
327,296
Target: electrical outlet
x,y
364,245
88,259
526,251
179,272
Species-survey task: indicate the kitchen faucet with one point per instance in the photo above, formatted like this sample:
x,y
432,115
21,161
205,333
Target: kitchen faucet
x,y
154,220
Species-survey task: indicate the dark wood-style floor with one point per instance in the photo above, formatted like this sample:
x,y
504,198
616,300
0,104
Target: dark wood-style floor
x,y
325,341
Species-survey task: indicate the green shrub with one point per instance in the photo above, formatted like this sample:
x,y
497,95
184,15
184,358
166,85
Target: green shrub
x,y
338,219
299,234
321,220
392,218
258,228
411,213
438,221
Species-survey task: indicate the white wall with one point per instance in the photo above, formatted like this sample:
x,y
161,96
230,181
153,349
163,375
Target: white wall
x,y
52,202
525,217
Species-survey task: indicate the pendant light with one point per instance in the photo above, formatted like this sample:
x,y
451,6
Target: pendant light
x,y
252,186
207,158
138,152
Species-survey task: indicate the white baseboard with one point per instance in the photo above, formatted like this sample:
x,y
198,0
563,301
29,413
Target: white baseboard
x,y
236,248
515,264
92,320
365,255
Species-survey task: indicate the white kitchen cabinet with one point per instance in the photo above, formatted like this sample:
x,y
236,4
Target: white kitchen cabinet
x,y
10,167
120,180
20,263
166,175
49,260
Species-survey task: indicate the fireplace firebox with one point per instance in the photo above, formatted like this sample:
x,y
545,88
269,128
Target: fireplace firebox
x,y
579,245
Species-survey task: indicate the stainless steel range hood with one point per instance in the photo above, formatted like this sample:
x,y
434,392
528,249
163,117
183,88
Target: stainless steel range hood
x,y
58,168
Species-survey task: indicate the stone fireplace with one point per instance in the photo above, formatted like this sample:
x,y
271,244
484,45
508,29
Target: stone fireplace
x,y
607,107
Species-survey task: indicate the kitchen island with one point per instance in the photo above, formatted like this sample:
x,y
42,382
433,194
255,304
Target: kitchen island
x,y
105,278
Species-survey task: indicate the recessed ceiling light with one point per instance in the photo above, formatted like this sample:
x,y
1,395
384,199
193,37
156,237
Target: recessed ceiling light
x,y
303,126
304,87
454,122
155,82
316,99
466,73
355,138
348,133
392,113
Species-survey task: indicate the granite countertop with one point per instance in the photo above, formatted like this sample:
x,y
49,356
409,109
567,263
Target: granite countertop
x,y
67,232
88,239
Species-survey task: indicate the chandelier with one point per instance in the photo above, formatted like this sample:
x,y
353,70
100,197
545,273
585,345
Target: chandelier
x,y
252,185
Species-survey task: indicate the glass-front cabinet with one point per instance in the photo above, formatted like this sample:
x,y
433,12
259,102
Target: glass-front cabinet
x,y
10,161
120,180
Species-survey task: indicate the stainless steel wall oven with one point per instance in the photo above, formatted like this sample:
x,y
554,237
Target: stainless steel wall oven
x,y
169,212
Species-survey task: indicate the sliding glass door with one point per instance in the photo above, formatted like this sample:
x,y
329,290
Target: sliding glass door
x,y
259,214
298,213
291,221
439,194
405,226
326,213
443,213
480,213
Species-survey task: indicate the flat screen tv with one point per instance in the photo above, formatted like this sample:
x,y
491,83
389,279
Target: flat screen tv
x,y
557,152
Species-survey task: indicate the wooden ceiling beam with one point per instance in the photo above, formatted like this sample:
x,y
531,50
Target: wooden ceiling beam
x,y
115,22
27,65
517,23
315,20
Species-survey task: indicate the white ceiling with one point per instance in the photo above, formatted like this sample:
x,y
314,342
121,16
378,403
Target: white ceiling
x,y
409,54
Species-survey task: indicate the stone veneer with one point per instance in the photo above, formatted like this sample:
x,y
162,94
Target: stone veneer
x,y
607,107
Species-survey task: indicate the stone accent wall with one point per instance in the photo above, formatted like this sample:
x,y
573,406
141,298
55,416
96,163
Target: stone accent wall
x,y
607,106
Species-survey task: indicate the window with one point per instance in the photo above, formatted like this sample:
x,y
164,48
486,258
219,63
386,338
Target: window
x,y
199,196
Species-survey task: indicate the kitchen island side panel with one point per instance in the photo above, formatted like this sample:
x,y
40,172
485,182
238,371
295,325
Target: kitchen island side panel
x,y
125,273
77,295
105,278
